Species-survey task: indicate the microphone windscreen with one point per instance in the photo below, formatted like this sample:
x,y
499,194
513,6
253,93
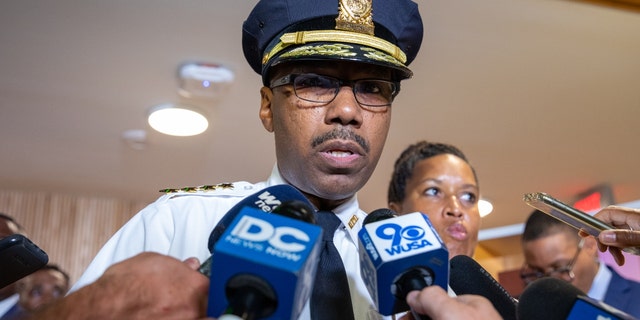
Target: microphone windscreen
x,y
547,298
378,215
296,209
466,276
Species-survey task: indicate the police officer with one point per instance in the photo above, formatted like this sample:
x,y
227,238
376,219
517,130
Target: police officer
x,y
330,70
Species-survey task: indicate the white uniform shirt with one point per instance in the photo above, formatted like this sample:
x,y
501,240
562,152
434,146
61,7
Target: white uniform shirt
x,y
8,303
179,224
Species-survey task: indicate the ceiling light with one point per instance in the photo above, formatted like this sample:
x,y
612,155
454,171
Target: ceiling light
x,y
203,80
485,207
177,120
135,138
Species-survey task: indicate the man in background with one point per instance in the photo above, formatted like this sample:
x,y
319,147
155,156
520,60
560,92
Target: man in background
x,y
8,295
553,248
42,287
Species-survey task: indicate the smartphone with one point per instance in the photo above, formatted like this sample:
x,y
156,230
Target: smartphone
x,y
19,257
578,219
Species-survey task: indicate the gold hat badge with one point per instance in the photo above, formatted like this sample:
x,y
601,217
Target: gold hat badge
x,y
355,15
354,25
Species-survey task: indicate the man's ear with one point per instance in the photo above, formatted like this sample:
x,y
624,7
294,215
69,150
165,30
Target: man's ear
x,y
266,114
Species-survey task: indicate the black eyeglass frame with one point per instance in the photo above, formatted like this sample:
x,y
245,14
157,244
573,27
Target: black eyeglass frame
x,y
290,79
529,277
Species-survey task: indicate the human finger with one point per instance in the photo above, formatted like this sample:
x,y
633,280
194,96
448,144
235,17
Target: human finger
x,y
428,301
620,238
617,255
620,217
193,263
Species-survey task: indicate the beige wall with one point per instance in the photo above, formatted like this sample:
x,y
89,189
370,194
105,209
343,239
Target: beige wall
x,y
70,229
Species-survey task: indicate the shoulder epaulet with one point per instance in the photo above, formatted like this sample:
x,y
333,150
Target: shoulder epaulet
x,y
205,188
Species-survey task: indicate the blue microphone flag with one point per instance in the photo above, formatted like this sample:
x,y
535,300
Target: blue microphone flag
x,y
279,250
390,248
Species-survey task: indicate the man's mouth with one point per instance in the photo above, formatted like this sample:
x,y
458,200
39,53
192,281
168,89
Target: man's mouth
x,y
340,153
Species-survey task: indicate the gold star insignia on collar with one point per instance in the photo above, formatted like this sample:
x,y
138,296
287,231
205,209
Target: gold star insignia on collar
x,y
205,188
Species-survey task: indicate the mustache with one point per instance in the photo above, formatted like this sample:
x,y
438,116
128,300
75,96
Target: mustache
x,y
343,134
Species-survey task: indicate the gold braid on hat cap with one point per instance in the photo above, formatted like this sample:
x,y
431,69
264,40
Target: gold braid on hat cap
x,y
354,24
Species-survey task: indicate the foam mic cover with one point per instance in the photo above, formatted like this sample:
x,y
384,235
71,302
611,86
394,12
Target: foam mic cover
x,y
469,277
296,209
379,215
267,200
399,254
265,264
555,299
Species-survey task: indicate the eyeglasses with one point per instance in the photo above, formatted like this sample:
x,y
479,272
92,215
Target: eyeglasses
x,y
528,275
323,89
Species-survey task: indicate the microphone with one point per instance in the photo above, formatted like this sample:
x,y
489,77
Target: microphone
x,y
469,277
399,254
552,298
265,264
266,200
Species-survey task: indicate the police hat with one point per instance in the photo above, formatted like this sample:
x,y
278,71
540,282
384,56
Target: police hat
x,y
380,32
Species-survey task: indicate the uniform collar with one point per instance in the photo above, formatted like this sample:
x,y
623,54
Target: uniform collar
x,y
349,212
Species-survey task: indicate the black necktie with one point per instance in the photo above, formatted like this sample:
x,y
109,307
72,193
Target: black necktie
x,y
330,299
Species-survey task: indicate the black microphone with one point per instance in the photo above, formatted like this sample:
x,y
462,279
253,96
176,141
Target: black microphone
x,y
399,254
296,209
469,277
19,257
555,299
265,264
267,200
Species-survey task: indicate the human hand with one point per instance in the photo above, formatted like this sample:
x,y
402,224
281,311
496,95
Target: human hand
x,y
627,234
434,302
151,286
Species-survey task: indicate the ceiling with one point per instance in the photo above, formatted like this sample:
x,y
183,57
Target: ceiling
x,y
540,95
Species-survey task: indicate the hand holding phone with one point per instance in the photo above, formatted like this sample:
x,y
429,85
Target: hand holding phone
x,y
576,218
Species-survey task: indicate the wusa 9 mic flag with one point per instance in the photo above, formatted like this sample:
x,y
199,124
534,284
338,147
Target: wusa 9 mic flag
x,y
269,253
396,254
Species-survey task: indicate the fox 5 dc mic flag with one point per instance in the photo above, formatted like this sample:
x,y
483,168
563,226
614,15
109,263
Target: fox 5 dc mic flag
x,y
273,254
400,248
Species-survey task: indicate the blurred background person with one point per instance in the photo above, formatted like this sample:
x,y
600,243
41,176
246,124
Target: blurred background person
x,y
553,248
438,180
8,295
41,288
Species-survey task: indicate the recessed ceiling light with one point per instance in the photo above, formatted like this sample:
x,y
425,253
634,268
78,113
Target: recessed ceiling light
x,y
177,120
135,138
204,80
